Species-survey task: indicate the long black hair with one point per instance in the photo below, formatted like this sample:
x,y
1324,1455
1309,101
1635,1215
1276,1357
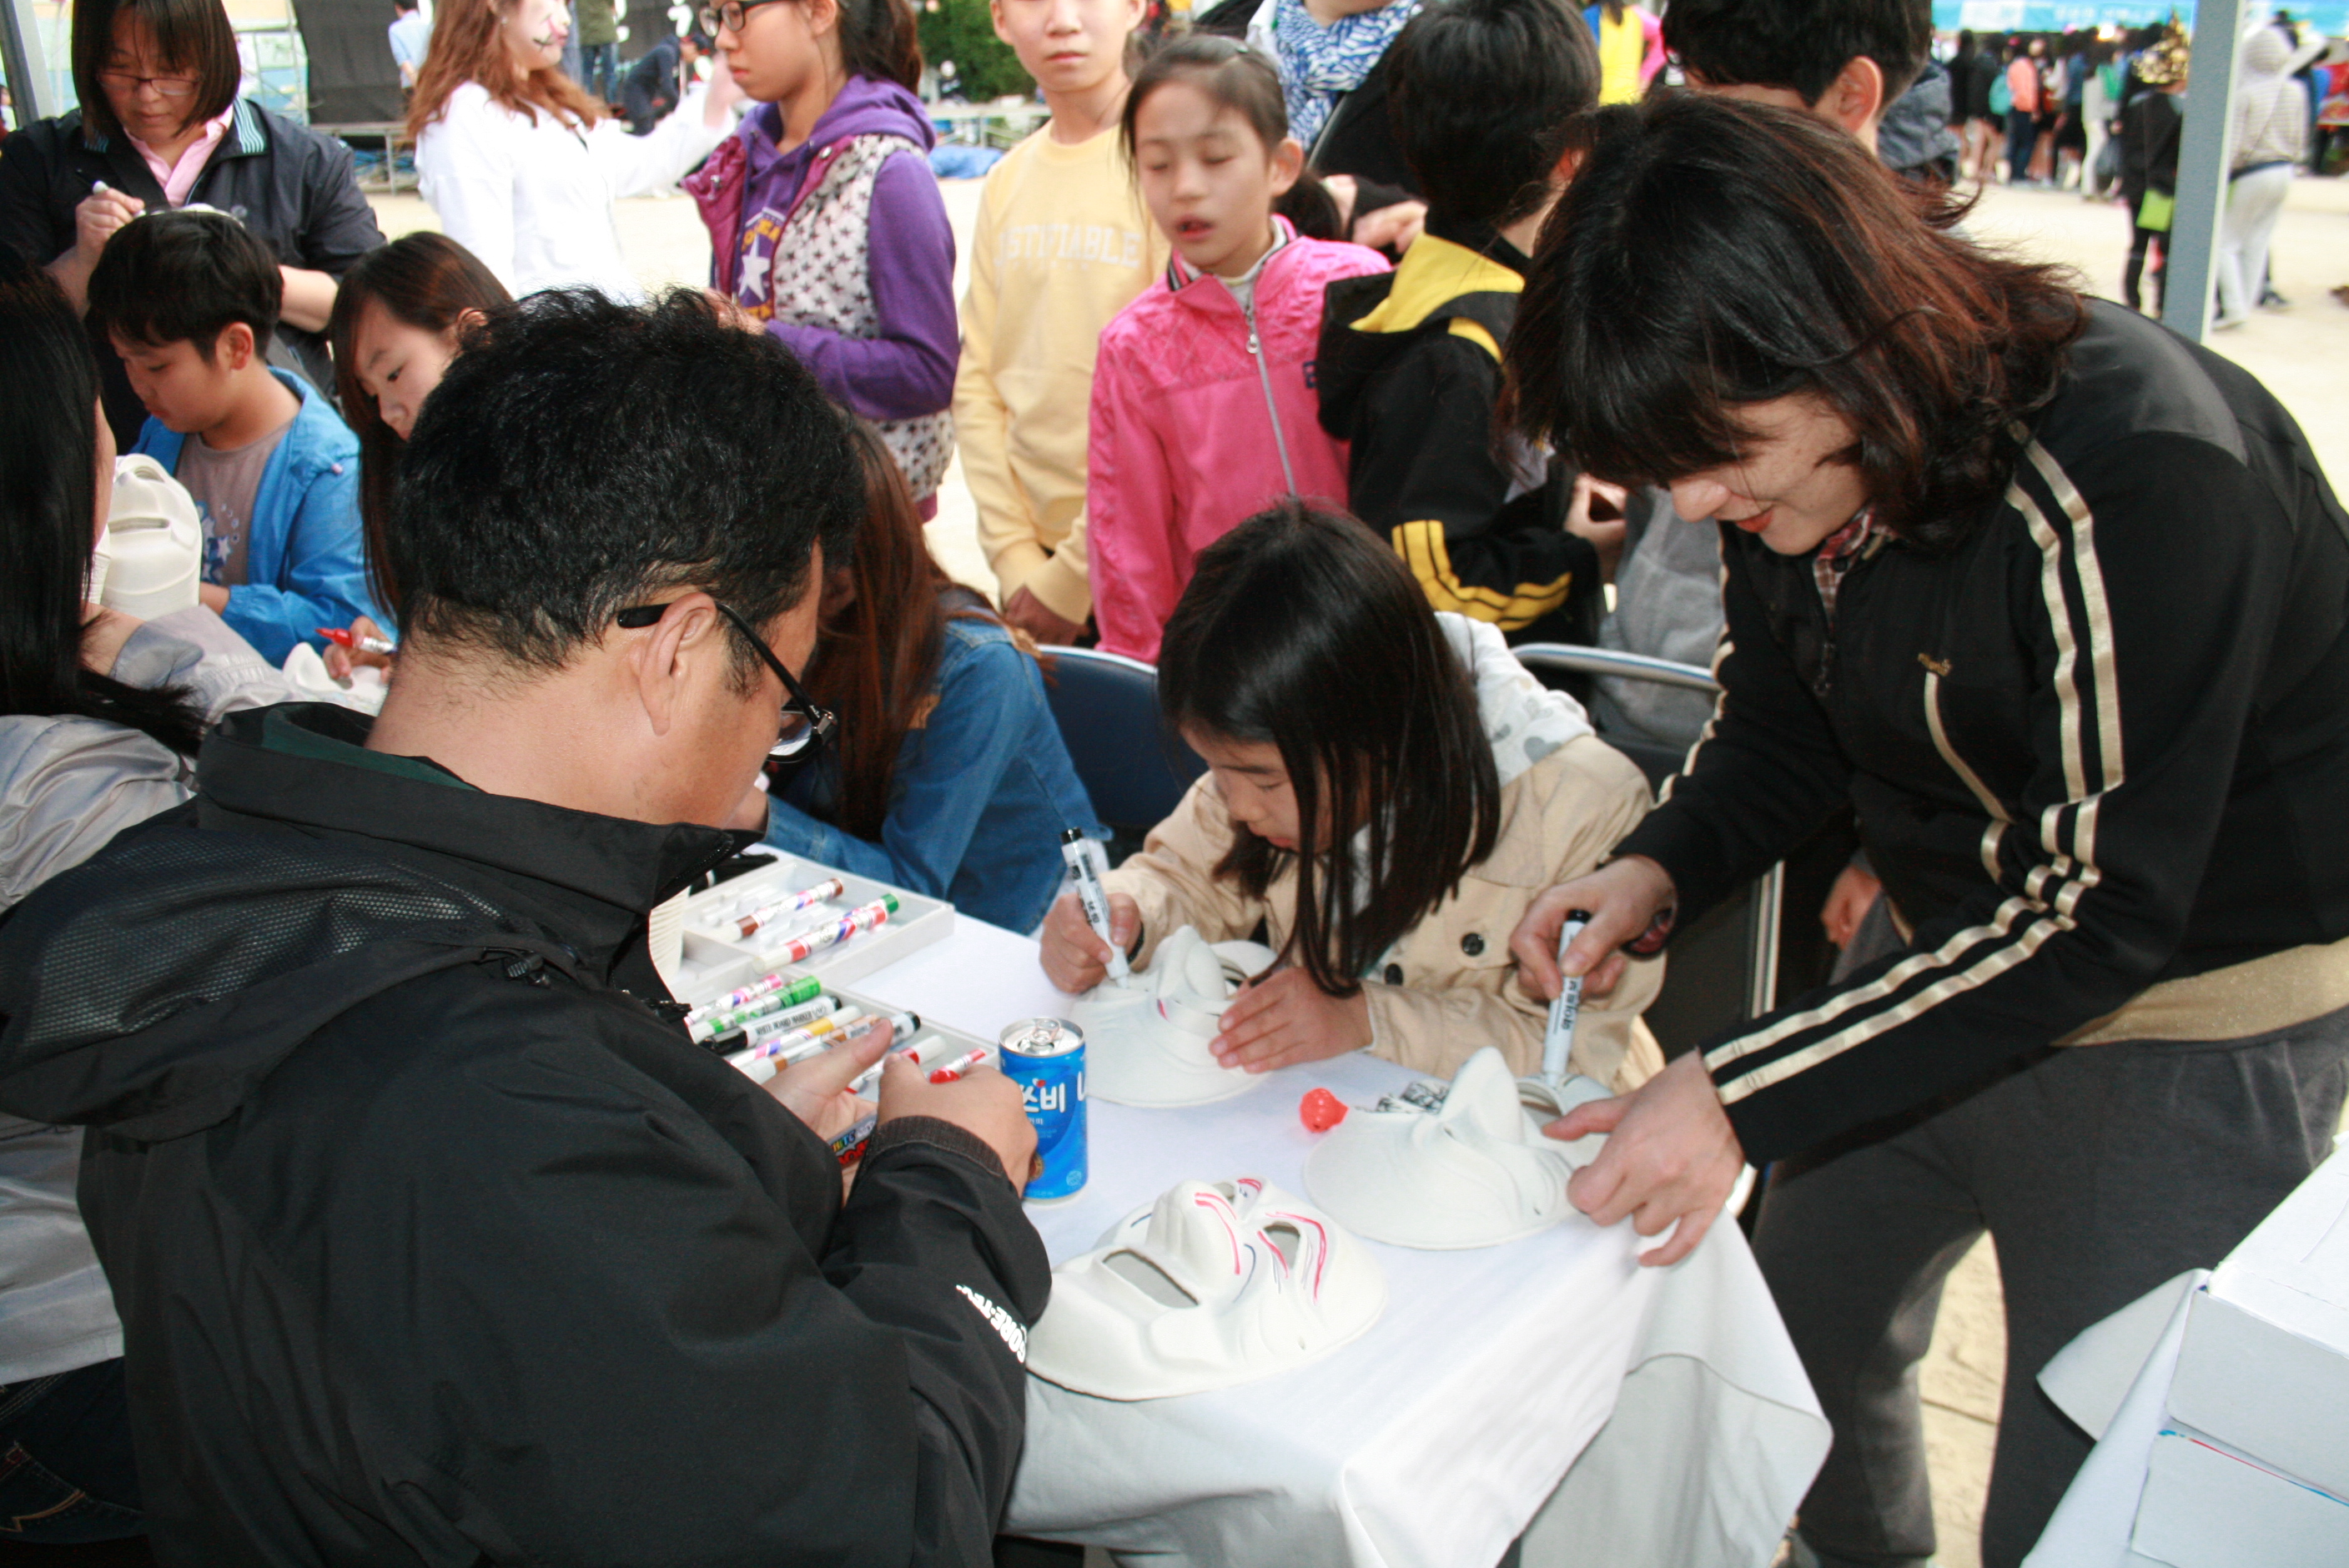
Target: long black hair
x,y
48,519
1301,630
428,282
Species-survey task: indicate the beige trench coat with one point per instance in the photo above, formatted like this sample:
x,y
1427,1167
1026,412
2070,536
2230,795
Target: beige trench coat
x,y
1449,987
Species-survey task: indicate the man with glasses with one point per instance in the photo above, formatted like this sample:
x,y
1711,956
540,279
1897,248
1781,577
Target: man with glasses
x,y
434,1237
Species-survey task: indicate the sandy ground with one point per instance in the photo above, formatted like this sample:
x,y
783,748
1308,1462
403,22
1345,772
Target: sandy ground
x,y
2301,354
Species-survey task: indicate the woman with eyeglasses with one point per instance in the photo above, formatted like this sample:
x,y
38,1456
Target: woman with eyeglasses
x,y
159,125
522,165
946,773
826,222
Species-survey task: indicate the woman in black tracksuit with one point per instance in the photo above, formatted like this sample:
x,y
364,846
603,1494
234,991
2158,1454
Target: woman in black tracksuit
x,y
2054,600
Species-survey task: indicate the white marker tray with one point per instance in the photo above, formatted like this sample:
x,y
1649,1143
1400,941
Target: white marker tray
x,y
957,1042
717,958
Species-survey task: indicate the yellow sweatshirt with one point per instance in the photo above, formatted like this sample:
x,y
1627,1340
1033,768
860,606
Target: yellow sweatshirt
x,y
1063,244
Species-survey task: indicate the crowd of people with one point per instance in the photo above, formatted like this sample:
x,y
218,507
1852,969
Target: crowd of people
x,y
364,1199
2104,117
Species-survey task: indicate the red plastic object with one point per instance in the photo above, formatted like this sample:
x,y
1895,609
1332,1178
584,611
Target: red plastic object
x,y
1321,1110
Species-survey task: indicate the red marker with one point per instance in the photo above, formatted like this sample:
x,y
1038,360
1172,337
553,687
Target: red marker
x,y
356,644
952,1072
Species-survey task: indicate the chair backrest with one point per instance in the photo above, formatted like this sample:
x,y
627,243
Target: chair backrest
x,y
1724,967
1656,758
1107,708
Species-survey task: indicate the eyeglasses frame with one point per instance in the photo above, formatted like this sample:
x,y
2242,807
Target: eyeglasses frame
x,y
821,721
713,17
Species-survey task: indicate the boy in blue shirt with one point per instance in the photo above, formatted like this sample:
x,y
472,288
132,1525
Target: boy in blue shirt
x,y
190,300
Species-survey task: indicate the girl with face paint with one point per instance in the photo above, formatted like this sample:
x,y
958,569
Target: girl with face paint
x,y
522,165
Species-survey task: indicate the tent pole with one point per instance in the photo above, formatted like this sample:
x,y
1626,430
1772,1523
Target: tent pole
x,y
2193,245
26,66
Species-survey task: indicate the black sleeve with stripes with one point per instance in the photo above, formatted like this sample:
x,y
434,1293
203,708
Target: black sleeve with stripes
x,y
1425,475
2157,567
1765,772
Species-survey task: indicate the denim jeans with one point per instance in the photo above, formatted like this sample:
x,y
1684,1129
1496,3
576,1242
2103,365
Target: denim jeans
x,y
2022,141
603,79
66,1475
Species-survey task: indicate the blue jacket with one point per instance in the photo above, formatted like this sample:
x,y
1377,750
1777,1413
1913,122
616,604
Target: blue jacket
x,y
306,562
979,796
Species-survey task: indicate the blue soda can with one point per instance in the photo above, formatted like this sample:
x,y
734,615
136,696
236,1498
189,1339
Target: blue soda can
x,y
1046,1057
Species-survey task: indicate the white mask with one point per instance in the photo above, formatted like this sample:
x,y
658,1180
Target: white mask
x,y
1472,1172
153,546
1213,1284
1149,1042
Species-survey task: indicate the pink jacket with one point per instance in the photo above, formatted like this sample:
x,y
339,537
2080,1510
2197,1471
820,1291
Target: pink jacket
x,y
1194,430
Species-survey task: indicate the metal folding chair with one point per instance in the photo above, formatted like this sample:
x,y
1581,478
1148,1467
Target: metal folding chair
x,y
1724,966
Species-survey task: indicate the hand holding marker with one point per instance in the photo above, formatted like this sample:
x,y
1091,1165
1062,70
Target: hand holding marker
x,y
849,1147
1557,1042
1084,856
352,643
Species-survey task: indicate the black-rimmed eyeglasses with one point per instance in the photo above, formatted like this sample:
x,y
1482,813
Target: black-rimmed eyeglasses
x,y
804,725
728,15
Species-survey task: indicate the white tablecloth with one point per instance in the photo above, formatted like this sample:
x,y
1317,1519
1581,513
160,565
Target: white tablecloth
x,y
1670,1401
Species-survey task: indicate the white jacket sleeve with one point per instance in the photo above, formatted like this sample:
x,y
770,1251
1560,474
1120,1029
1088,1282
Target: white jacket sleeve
x,y
639,165
465,165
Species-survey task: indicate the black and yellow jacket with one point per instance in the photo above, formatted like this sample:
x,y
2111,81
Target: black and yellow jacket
x,y
1409,369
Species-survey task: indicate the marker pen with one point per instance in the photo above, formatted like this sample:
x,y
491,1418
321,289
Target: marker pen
x,y
1557,1042
921,1053
849,1147
796,947
809,1038
900,1026
751,919
952,1072
1083,855
343,639
759,1030
714,1019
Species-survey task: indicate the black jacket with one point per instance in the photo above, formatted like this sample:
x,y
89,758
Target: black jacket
x,y
2152,130
1408,368
436,1242
292,186
2103,743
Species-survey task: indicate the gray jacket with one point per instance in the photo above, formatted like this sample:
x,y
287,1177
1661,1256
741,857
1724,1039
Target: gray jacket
x,y
1667,606
67,787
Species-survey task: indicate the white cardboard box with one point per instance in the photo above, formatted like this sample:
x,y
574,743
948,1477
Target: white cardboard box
x,y
2206,1508
2264,1367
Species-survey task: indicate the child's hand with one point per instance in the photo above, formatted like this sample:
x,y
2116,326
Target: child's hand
x,y
1597,514
1028,613
1396,226
342,661
1287,1019
1849,902
1074,958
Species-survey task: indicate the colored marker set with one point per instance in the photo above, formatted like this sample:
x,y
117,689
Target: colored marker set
x,y
795,915
783,1018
